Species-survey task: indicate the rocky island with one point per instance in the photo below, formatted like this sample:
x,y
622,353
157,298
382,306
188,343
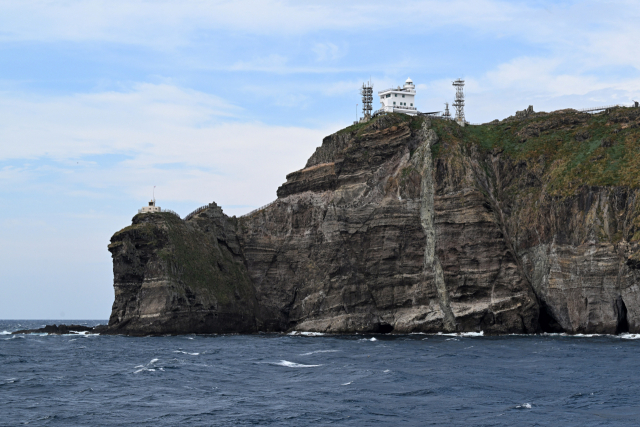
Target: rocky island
x,y
410,224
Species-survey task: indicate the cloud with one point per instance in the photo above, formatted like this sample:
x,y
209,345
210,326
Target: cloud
x,y
328,51
160,135
171,24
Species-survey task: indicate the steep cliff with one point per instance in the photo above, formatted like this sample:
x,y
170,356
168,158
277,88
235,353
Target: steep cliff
x,y
403,225
175,276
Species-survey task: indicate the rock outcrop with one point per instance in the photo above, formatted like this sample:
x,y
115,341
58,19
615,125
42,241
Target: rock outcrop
x,y
406,224
173,276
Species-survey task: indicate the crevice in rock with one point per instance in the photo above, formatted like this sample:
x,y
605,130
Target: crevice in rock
x,y
547,322
622,325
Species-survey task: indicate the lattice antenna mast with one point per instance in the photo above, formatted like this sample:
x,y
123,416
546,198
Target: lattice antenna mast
x,y
446,114
459,102
367,99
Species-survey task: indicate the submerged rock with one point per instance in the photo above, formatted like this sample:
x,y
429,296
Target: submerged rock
x,y
60,330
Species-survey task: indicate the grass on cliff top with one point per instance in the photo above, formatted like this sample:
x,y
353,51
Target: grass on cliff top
x,y
381,122
574,149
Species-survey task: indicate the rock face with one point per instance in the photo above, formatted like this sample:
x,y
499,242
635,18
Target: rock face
x,y
173,276
408,225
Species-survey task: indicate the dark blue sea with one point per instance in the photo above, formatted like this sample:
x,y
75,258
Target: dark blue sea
x,y
298,380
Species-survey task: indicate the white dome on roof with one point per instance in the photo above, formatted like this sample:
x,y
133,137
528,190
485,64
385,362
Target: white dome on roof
x,y
409,80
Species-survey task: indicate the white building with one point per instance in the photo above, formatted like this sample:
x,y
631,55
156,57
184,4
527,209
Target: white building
x,y
400,100
152,208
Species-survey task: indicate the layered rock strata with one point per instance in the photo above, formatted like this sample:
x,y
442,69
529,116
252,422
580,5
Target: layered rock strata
x,y
173,276
406,225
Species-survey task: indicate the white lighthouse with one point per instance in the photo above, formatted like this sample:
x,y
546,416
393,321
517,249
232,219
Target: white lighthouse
x,y
399,100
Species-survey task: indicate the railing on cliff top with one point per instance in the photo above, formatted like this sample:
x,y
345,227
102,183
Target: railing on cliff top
x,y
197,211
171,212
591,110
258,210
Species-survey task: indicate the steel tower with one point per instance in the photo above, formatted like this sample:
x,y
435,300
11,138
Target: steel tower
x,y
367,100
446,114
459,102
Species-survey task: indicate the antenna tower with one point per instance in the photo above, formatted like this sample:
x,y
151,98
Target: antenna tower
x,y
459,102
367,100
446,114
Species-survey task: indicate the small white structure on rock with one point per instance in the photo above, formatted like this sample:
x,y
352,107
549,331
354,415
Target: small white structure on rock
x,y
152,208
400,100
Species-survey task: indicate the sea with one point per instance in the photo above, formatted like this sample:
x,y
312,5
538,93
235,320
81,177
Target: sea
x,y
302,379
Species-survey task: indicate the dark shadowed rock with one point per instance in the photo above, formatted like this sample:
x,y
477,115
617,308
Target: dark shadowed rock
x,y
405,225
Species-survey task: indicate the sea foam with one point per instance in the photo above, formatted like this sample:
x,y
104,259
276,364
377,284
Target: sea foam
x,y
294,365
306,334
318,351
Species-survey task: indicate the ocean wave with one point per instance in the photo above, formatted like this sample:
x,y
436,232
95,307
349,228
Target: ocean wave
x,y
347,383
318,351
147,368
307,334
524,406
294,365
629,336
5,333
185,352
462,334
624,336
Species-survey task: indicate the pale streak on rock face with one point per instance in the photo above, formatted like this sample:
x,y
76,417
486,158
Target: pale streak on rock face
x,y
377,234
432,266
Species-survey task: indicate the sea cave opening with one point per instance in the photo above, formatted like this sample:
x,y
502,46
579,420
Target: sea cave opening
x,y
547,322
623,322
385,328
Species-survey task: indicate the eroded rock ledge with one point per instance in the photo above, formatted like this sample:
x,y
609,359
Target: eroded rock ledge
x,y
409,225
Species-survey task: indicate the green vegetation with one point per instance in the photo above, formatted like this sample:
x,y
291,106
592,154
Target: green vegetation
x,y
190,256
572,149
354,128
197,260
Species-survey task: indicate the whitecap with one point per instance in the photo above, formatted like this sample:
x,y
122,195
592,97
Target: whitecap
x,y
306,334
185,352
153,361
386,370
373,339
5,333
347,383
629,336
318,351
294,365
463,334
524,406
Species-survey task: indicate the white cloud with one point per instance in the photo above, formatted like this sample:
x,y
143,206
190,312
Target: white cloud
x,y
328,51
167,23
171,137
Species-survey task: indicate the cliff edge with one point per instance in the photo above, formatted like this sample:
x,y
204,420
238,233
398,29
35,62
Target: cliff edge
x,y
410,224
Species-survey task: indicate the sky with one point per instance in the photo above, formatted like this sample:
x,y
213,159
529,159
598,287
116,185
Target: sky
x,y
100,101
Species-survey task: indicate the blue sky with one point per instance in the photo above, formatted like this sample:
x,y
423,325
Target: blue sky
x,y
219,100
